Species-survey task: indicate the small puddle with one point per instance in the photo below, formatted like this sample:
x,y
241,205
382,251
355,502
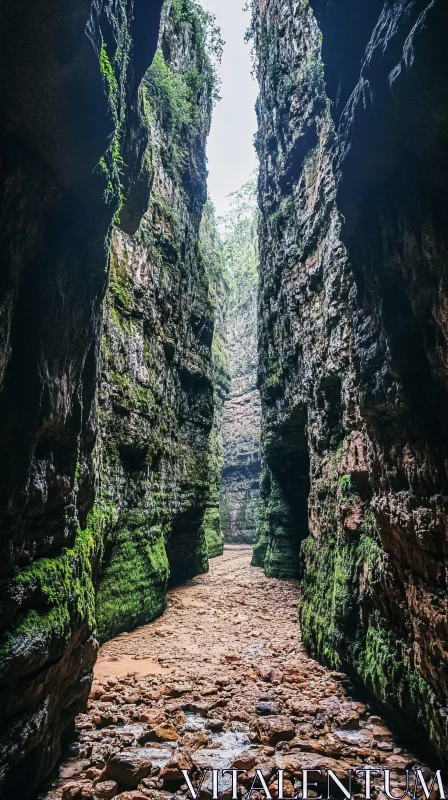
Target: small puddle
x,y
224,745
350,737
159,756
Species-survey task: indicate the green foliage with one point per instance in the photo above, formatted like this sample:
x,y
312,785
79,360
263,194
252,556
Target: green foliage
x,y
239,233
182,99
114,70
315,73
205,30
345,485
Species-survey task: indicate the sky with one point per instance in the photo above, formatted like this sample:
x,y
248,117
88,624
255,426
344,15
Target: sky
x,y
231,154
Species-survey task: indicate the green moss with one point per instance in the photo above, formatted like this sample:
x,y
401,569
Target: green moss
x,y
213,532
114,69
62,591
133,582
383,664
121,293
327,596
162,480
260,549
369,552
339,624
379,661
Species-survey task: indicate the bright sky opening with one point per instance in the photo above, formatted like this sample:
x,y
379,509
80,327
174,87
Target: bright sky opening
x,y
231,154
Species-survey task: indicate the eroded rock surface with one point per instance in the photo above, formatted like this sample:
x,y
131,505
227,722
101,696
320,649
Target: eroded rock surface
x,y
353,193
220,680
72,139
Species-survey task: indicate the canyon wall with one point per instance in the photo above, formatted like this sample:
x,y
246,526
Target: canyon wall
x,y
240,487
73,139
156,409
213,255
353,193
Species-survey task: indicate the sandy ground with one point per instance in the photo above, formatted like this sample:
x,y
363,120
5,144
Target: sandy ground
x,y
220,679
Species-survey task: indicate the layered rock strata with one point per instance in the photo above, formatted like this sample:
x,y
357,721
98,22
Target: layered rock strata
x,y
73,139
353,192
240,487
157,430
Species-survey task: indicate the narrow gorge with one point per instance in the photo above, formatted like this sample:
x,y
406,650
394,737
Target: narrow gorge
x,y
112,491
223,471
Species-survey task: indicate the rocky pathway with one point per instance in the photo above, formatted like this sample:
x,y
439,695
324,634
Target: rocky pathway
x,y
220,680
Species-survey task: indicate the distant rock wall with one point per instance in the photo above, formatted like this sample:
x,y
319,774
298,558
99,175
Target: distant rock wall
x,y
353,340
240,485
240,495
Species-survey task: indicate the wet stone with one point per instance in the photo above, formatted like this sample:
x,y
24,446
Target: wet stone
x,y
265,709
128,768
305,720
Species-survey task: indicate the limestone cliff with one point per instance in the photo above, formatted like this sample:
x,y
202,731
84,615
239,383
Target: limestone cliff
x,y
240,495
353,193
156,390
72,139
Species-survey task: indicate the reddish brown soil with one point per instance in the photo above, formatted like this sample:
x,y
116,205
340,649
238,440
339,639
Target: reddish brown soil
x,y
221,678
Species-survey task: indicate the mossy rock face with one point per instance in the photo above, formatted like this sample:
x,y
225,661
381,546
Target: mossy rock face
x,y
349,363
158,453
134,577
260,549
213,532
213,259
71,148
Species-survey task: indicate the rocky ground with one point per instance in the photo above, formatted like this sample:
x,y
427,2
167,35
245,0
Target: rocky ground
x,y
220,680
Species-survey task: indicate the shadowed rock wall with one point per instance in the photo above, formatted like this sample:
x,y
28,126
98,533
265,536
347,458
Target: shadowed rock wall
x,y
76,157
353,192
70,120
